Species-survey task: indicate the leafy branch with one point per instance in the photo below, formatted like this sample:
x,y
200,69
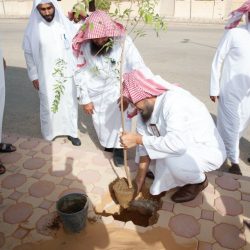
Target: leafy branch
x,y
60,79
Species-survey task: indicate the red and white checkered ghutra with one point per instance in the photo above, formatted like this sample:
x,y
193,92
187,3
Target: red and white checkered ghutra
x,y
98,25
137,87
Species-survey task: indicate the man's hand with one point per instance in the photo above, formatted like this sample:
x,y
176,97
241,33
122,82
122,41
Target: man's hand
x,y
141,173
130,140
89,108
36,84
213,98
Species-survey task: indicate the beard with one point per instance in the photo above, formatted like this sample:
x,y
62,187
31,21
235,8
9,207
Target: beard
x,y
147,111
48,18
99,50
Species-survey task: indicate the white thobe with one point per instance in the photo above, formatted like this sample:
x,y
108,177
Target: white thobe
x,y
98,82
2,92
189,143
230,80
53,46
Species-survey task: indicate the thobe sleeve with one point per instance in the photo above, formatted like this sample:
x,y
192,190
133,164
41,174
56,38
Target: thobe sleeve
x,y
217,64
81,78
173,143
31,66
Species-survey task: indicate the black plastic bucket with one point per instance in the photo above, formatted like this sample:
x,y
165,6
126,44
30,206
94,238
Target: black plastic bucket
x,y
73,211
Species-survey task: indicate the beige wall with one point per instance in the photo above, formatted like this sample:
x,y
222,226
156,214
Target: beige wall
x,y
216,9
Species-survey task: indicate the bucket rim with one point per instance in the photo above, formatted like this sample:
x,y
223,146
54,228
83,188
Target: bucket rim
x,y
82,194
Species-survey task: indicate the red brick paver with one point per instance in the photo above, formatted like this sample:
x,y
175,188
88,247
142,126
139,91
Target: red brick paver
x,y
41,172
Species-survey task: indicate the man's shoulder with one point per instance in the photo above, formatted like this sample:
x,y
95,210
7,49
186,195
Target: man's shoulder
x,y
238,30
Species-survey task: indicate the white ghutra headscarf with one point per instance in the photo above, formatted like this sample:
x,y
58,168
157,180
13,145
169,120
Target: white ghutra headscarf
x,y
32,34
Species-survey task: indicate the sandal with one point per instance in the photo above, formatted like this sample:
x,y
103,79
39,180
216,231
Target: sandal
x,y
7,148
2,168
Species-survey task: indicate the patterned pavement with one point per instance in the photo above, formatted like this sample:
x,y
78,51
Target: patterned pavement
x,y
40,172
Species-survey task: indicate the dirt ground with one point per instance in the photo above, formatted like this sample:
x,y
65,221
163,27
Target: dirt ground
x,y
99,236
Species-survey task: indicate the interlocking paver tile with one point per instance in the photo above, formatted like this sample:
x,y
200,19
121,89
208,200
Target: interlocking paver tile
x,y
222,192
2,239
46,204
13,181
207,215
89,177
41,188
228,206
38,175
98,190
20,233
30,223
245,187
229,236
10,138
11,243
63,169
205,246
193,211
31,153
62,172
209,189
184,225
233,220
168,206
227,182
186,241
163,219
50,178
13,168
66,182
8,229
77,154
44,222
217,246
34,236
54,196
247,237
34,163
11,216
206,231
11,158
34,201
25,187
29,144
5,204
51,149
15,195
245,197
246,208
194,203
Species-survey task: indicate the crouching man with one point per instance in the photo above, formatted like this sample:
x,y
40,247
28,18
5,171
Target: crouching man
x,y
176,135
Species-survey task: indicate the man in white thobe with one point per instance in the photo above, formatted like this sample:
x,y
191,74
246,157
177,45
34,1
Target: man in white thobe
x,y
176,135
4,147
98,49
47,41
230,84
